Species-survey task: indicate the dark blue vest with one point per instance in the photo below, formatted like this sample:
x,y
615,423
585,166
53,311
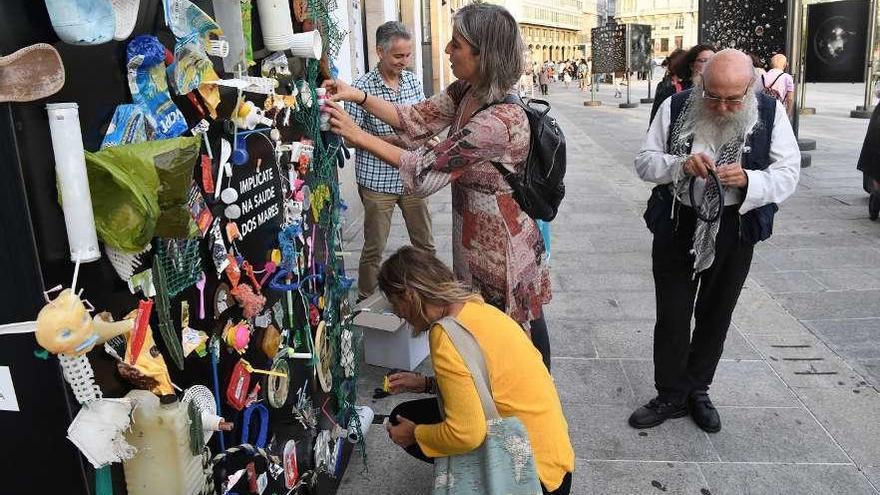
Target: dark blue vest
x,y
757,224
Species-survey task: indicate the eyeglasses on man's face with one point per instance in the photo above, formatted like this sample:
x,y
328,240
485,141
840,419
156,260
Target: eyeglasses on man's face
x,y
713,98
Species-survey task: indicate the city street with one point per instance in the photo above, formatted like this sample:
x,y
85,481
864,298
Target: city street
x,y
797,387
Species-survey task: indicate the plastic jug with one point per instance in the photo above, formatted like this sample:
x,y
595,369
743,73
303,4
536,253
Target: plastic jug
x,y
163,463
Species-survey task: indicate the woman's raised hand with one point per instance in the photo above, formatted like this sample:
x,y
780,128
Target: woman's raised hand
x,y
342,125
342,91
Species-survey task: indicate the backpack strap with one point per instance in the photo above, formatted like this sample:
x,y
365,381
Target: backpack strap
x,y
774,81
514,100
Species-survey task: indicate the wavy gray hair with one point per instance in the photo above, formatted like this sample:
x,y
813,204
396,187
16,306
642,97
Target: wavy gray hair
x,y
495,37
387,32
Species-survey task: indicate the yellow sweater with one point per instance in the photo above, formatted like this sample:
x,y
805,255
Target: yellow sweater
x,y
521,387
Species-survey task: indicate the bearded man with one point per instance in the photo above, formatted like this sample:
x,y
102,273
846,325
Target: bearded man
x,y
704,236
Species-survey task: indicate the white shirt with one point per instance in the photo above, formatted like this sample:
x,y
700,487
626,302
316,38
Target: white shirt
x,y
772,185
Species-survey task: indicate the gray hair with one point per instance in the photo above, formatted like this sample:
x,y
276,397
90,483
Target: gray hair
x,y
388,32
494,35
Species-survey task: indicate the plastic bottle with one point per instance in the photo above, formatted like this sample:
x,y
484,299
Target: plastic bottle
x,y
322,101
160,433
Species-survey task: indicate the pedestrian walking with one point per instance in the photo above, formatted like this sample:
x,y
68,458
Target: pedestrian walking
x,y
724,157
497,248
379,184
526,85
544,80
422,291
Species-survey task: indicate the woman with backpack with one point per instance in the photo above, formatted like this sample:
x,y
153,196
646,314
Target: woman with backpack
x,y
424,292
497,248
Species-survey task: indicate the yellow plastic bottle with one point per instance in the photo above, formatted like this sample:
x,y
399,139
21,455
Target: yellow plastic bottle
x,y
163,463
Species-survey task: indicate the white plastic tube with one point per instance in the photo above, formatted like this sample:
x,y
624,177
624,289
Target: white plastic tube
x,y
276,24
73,182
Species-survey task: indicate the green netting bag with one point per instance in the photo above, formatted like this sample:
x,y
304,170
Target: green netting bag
x,y
132,186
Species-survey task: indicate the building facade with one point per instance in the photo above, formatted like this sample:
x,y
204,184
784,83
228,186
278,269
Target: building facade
x,y
674,23
552,30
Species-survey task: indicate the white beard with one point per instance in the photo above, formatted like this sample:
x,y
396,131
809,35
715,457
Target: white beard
x,y
717,130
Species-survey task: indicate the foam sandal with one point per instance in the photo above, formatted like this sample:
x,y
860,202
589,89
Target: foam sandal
x,y
82,22
32,73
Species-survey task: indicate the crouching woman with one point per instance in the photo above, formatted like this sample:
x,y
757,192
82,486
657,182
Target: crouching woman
x,y
423,291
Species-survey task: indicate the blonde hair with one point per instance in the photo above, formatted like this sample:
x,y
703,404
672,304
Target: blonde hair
x,y
426,278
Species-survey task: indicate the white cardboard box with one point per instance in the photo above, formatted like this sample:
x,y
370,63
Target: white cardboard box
x,y
388,340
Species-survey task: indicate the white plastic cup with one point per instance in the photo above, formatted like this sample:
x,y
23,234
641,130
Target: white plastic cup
x,y
307,45
366,419
73,181
276,24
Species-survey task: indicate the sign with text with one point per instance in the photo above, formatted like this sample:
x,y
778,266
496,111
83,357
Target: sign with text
x,y
260,202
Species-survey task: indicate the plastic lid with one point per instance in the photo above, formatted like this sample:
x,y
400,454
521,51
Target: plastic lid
x,y
61,106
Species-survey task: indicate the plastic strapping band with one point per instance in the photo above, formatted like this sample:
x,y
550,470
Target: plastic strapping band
x,y
215,358
264,424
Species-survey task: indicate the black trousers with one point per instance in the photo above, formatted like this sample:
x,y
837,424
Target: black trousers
x,y
427,412
541,339
685,361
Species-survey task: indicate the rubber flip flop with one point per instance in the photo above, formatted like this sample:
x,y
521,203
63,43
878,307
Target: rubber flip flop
x,y
32,73
82,22
126,17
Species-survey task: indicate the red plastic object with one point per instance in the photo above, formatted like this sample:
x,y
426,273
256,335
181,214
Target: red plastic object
x,y
139,333
239,383
207,175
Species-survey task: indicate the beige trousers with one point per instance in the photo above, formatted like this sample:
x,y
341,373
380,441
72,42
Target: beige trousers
x,y
378,210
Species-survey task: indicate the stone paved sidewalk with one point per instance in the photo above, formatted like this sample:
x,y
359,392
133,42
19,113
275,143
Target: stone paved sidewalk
x,y
794,387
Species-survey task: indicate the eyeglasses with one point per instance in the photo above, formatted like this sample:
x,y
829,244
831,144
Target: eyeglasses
x,y
727,101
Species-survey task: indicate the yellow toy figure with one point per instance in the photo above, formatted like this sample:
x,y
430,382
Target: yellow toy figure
x,y
65,326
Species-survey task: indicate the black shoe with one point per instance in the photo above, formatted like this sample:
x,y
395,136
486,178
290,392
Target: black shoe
x,y
656,412
874,205
703,412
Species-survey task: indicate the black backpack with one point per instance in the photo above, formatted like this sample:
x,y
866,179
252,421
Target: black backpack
x,y
539,188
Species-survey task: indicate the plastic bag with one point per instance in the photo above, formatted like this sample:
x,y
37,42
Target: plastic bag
x,y
137,185
175,164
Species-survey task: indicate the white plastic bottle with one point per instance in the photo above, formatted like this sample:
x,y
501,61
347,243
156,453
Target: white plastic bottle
x,y
163,463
